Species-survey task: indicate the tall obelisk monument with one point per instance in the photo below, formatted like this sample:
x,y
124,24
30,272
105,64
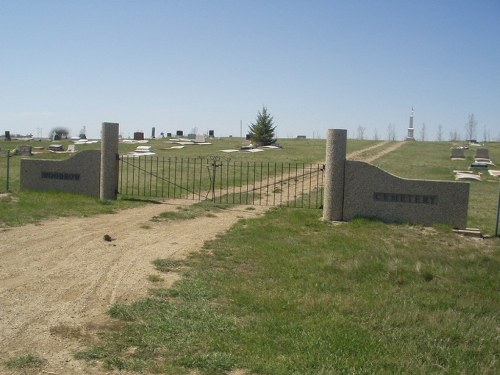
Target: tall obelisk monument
x,y
410,136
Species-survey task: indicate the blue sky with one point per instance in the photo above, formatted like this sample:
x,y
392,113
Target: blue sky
x,y
213,64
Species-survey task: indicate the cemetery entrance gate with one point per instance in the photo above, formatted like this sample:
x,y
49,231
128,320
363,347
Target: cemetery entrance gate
x,y
220,180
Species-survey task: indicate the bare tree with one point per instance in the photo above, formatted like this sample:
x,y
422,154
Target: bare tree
x,y
486,134
454,135
361,132
422,132
440,133
376,134
59,133
470,128
391,133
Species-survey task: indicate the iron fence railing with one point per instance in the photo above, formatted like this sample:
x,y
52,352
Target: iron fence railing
x,y
5,166
222,180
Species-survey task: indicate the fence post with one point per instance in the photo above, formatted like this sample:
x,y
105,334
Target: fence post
x,y
214,172
333,201
498,213
8,170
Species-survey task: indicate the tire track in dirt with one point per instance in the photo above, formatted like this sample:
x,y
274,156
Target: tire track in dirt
x,y
357,154
360,155
385,151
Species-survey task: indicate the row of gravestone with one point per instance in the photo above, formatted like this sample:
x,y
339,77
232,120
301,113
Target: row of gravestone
x,y
459,153
28,150
481,159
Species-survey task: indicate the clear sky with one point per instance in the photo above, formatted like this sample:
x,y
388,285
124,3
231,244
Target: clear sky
x,y
213,64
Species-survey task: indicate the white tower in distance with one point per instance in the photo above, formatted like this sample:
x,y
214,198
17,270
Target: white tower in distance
x,y
411,130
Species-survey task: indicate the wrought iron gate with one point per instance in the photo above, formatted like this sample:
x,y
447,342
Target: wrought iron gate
x,y
5,170
222,181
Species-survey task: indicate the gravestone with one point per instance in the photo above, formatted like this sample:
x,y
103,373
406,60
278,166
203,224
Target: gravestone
x,y
25,150
56,147
457,153
482,153
480,165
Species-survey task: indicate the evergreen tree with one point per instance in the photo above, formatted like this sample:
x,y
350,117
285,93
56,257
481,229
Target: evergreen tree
x,y
59,133
262,131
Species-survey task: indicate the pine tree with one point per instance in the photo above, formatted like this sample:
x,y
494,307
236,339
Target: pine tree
x,y
262,131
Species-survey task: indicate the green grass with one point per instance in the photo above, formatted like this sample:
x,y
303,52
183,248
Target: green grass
x,y
28,361
167,265
203,208
32,207
291,294
155,278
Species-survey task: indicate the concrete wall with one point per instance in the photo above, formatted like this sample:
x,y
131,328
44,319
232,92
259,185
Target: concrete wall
x,y
78,174
371,192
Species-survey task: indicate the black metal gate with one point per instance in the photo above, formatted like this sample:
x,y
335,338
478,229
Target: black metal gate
x,y
5,171
222,181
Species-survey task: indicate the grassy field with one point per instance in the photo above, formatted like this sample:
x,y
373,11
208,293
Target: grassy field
x,y
290,294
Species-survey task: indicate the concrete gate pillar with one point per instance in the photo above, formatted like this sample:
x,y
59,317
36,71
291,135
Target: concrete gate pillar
x,y
109,160
333,200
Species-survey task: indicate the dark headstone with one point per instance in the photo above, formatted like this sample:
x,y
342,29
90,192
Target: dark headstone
x,y
482,153
56,147
24,150
458,153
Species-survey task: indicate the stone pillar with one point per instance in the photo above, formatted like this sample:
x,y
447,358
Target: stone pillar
x,y
333,202
109,160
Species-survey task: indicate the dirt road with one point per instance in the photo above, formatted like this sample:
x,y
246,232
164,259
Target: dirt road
x,y
61,275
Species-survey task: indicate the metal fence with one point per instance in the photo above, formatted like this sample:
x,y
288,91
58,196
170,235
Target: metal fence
x,y
5,170
222,181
